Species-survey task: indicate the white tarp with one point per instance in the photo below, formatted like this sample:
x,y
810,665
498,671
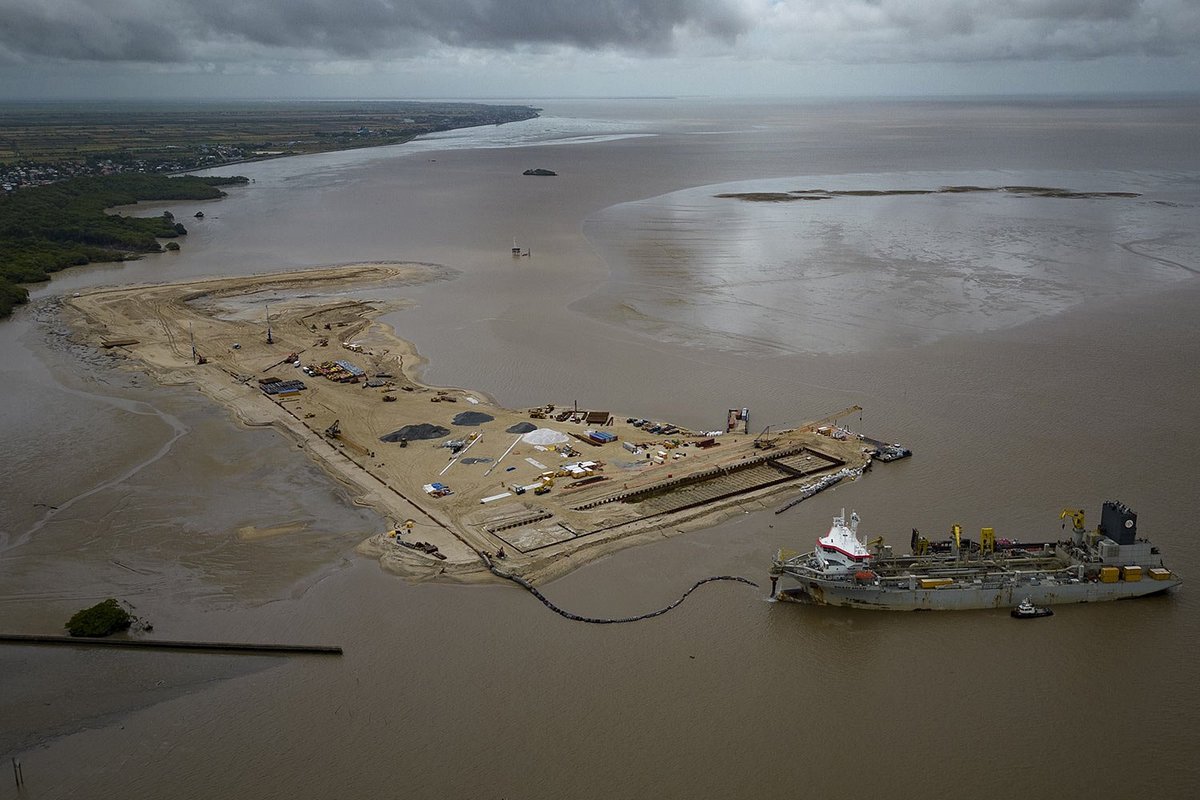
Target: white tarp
x,y
545,436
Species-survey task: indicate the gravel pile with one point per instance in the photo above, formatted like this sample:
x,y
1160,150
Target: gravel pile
x,y
472,418
415,433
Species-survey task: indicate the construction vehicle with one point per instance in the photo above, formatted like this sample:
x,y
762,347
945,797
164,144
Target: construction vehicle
x,y
544,487
334,431
762,441
845,412
541,412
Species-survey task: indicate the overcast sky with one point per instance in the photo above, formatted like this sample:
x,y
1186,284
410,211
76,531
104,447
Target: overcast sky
x,y
549,48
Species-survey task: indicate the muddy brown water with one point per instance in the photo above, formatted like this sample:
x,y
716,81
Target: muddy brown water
x,y
1035,355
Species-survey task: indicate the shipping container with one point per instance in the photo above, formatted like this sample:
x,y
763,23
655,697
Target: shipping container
x,y
933,583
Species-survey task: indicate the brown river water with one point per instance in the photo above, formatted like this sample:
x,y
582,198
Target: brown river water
x,y
1035,352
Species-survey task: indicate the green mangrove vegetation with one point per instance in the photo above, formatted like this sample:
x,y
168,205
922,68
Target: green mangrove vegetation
x,y
47,228
102,619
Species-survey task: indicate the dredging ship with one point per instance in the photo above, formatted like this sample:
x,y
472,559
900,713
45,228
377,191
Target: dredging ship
x,y
1109,563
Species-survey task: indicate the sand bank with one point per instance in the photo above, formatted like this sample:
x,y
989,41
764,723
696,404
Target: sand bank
x,y
639,486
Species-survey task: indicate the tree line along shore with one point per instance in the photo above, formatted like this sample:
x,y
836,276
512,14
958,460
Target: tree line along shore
x,y
44,229
62,165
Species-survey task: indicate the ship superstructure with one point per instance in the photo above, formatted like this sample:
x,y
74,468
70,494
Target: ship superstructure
x,y
1109,563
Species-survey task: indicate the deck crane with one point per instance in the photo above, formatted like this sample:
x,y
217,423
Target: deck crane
x,y
1076,515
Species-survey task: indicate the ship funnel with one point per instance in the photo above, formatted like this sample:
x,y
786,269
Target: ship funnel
x,y
1118,522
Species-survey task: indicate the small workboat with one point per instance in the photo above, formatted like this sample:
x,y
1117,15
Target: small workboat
x,y
1027,610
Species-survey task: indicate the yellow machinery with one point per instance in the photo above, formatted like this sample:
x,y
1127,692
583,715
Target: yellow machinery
x,y
987,541
408,525
845,412
919,544
1076,515
545,486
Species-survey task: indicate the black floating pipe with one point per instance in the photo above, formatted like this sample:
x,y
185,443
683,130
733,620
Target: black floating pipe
x,y
610,620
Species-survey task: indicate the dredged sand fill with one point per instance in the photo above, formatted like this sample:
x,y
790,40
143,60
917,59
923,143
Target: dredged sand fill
x,y
214,334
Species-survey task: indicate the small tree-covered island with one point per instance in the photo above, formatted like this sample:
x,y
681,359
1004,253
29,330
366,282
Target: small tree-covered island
x,y
104,618
44,229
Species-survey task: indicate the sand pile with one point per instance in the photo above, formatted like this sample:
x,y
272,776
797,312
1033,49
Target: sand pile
x,y
521,427
545,437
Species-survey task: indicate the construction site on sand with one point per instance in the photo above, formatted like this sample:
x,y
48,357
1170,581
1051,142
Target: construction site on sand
x,y
464,482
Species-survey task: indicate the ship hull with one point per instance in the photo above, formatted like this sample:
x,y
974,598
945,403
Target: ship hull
x,y
827,592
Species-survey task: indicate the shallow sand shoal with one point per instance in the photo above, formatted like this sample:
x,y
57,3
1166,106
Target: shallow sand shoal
x,y
313,316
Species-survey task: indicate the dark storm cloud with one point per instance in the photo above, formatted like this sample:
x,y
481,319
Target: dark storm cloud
x,y
984,30
180,30
279,32
73,32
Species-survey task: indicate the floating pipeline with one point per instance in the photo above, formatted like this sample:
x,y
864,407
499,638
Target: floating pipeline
x,y
606,620
821,484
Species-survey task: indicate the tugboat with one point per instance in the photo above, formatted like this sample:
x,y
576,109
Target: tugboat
x,y
1027,610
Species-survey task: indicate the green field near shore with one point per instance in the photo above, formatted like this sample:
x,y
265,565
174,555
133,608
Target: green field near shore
x,y
62,164
189,136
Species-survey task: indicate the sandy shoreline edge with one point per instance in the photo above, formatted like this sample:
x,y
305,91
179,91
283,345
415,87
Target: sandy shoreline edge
x,y
540,538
